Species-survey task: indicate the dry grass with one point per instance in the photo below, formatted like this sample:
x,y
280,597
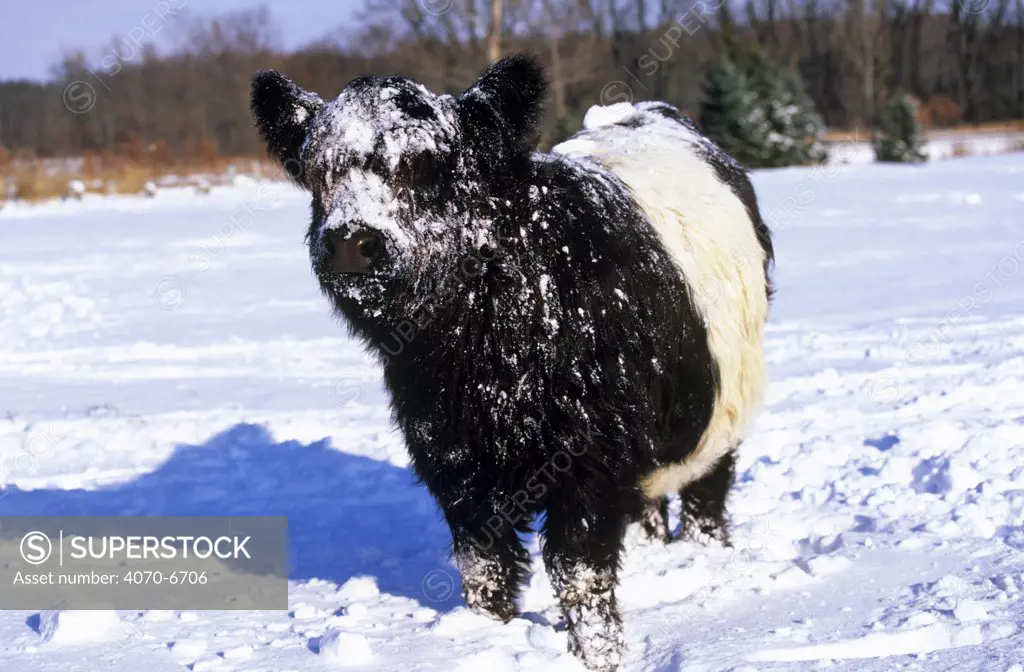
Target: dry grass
x,y
35,184
863,134
132,167
961,149
132,171
131,179
39,180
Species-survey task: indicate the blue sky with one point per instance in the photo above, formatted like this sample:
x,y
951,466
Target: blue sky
x,y
34,33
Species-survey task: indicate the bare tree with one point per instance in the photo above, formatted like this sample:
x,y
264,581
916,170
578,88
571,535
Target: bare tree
x,y
863,36
852,54
1019,66
494,35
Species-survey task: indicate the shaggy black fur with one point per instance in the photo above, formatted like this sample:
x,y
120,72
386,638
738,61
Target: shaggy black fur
x,y
703,514
283,128
539,345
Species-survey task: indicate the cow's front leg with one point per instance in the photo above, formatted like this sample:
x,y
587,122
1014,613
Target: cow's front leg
x,y
490,558
581,554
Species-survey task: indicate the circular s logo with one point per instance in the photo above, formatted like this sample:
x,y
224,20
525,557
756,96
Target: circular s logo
x,y
438,585
79,97
616,92
36,548
169,293
885,390
437,7
347,390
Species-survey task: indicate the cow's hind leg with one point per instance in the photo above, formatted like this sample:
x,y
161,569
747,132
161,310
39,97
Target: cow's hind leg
x,y
704,517
654,520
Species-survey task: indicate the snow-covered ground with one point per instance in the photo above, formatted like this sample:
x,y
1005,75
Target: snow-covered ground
x,y
173,356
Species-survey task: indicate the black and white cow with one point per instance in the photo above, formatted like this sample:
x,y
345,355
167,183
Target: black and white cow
x,y
575,333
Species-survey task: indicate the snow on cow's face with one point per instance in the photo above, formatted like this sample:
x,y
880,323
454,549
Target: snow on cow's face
x,y
396,172
376,160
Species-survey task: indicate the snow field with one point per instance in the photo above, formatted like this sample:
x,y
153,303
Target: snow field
x,y
173,356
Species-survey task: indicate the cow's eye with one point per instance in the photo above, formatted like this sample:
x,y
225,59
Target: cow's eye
x,y
376,164
416,170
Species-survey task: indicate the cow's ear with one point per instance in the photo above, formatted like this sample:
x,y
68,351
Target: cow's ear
x,y
283,113
510,93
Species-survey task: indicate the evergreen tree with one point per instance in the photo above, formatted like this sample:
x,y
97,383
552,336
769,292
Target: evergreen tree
x,y
900,140
564,128
760,113
730,114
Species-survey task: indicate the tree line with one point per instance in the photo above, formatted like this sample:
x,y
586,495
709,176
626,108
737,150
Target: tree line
x,y
964,59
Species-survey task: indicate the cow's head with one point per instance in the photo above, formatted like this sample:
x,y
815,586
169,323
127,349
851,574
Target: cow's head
x,y
397,173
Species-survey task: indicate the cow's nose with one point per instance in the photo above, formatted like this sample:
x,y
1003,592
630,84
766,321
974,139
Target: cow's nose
x,y
352,254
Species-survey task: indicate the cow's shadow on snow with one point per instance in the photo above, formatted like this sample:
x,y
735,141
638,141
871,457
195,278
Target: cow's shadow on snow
x,y
347,515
